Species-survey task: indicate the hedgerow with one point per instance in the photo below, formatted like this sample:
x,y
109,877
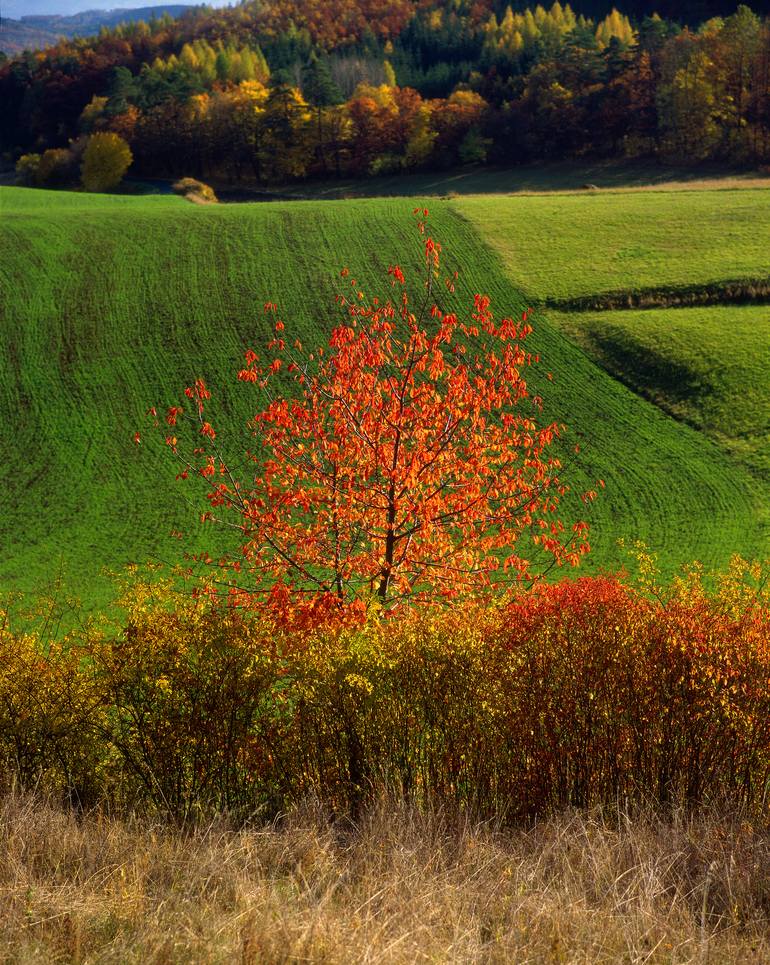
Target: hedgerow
x,y
583,693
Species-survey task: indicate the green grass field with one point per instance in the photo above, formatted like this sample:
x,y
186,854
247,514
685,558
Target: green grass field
x,y
557,247
709,367
111,304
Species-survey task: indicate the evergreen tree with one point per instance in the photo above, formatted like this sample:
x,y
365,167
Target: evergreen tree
x,y
321,92
123,92
284,141
223,66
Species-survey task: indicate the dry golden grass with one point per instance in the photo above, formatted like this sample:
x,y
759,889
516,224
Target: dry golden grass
x,y
400,887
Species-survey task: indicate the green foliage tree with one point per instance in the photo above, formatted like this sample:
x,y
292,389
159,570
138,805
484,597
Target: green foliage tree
x,y
758,108
737,46
474,147
688,109
123,91
284,133
106,159
321,92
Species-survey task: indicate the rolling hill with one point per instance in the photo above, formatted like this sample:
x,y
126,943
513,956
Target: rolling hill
x,y
112,304
37,31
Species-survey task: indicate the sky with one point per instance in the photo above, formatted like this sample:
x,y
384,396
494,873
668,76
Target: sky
x,y
23,8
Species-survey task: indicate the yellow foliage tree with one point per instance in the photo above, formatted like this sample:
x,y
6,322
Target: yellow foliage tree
x,y
92,114
106,159
517,31
616,25
422,136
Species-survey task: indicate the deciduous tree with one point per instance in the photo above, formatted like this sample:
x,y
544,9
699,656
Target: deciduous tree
x,y
403,461
106,159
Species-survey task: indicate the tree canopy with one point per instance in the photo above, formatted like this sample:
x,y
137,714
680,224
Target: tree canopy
x,y
355,87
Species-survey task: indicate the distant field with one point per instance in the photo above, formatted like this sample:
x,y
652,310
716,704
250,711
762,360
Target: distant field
x,y
112,304
565,246
707,366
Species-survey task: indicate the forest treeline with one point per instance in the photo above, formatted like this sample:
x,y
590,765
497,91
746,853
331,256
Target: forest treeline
x,y
277,91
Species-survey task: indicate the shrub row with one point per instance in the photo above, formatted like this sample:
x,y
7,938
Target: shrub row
x,y
98,162
582,693
752,291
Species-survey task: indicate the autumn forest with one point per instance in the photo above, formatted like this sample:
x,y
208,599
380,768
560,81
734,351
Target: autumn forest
x,y
281,91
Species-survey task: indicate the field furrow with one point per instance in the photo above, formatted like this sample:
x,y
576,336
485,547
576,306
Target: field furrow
x,y
113,304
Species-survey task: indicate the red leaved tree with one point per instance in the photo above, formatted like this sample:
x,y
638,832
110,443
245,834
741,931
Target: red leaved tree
x,y
398,463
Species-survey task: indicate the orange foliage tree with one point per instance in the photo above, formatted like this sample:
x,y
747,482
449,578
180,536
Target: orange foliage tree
x,y
402,464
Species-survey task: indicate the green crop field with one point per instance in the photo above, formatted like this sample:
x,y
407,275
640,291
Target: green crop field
x,y
709,367
111,304
558,247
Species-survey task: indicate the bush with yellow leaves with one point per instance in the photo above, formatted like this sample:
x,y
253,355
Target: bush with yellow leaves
x,y
106,159
581,694
51,715
191,692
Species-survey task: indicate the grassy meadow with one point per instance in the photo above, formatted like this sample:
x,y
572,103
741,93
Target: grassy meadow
x,y
706,366
560,247
112,304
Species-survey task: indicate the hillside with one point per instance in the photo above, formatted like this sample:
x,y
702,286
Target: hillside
x,y
705,366
38,31
705,363
16,36
112,304
636,242
276,93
